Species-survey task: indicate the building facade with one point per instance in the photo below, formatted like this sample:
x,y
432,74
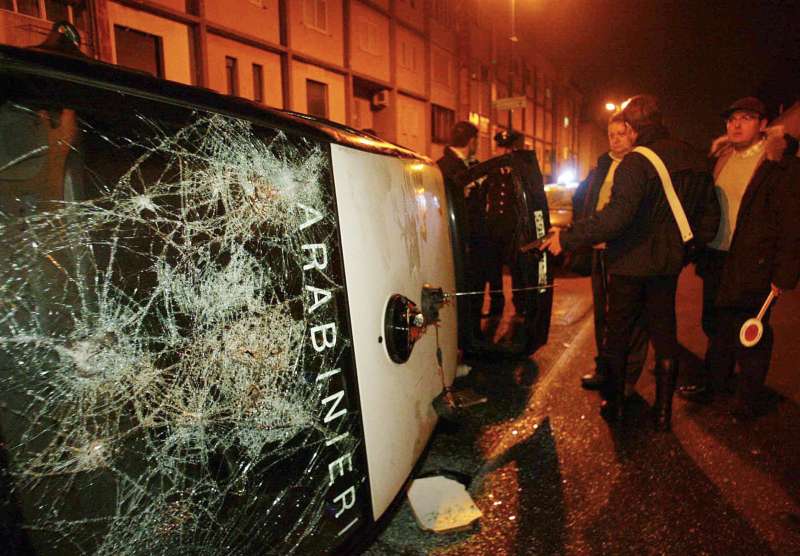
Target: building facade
x,y
406,69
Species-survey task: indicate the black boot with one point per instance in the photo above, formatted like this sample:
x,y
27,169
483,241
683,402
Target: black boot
x,y
613,407
666,377
596,380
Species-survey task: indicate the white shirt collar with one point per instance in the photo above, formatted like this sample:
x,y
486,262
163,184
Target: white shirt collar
x,y
458,153
752,150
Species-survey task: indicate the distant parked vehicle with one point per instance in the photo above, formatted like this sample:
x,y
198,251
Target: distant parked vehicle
x,y
559,200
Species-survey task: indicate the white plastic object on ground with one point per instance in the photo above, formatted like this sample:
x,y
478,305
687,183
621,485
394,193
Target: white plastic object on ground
x,y
442,505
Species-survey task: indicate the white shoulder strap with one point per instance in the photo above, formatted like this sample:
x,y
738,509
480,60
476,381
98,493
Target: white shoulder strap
x,y
669,191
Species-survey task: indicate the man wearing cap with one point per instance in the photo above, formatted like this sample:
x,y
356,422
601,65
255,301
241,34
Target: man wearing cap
x,y
512,189
645,250
756,249
502,223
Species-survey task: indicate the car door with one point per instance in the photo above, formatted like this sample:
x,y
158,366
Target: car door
x,y
516,180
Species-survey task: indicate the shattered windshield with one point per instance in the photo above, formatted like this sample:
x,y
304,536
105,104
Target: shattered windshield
x,y
174,353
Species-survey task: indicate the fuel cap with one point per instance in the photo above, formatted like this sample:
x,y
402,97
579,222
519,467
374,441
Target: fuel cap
x,y
403,325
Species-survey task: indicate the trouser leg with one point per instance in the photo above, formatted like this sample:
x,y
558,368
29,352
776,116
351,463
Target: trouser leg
x,y
754,364
722,349
597,379
637,352
666,378
659,299
494,274
712,265
519,276
477,274
600,303
719,357
661,322
626,301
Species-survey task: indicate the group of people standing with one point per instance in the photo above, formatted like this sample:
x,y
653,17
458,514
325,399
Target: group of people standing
x,y
736,219
498,206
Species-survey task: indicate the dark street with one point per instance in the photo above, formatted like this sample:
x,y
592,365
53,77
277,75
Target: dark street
x,y
551,477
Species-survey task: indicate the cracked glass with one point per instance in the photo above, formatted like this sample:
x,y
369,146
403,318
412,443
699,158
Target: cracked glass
x,y
175,369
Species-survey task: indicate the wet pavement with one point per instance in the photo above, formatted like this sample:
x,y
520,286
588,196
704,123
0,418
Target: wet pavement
x,y
551,477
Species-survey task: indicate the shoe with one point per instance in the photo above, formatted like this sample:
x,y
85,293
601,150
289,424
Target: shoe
x,y
612,408
745,410
593,381
696,393
666,377
612,411
743,414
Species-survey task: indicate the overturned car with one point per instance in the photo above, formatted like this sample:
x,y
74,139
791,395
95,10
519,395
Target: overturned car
x,y
212,332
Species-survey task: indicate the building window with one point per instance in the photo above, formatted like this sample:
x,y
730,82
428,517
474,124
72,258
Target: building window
x,y
442,11
441,68
258,83
317,98
442,121
139,50
408,56
368,37
232,75
53,10
56,10
315,14
29,7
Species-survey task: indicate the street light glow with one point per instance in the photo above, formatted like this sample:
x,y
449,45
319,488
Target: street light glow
x,y
611,107
567,176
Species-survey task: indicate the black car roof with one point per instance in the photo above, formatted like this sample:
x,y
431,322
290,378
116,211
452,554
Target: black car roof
x,y
72,68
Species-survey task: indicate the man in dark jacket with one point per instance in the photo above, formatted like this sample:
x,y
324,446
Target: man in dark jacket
x,y
756,248
645,251
457,158
467,222
621,139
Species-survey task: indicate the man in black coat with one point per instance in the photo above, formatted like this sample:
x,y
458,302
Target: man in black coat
x,y
756,249
457,158
466,221
595,194
645,251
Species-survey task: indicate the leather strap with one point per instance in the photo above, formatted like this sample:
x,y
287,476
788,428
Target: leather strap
x,y
669,191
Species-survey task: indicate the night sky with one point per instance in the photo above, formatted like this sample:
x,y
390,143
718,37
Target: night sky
x,y
696,56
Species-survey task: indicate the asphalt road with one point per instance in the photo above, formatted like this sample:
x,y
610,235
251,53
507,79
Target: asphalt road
x,y
551,477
